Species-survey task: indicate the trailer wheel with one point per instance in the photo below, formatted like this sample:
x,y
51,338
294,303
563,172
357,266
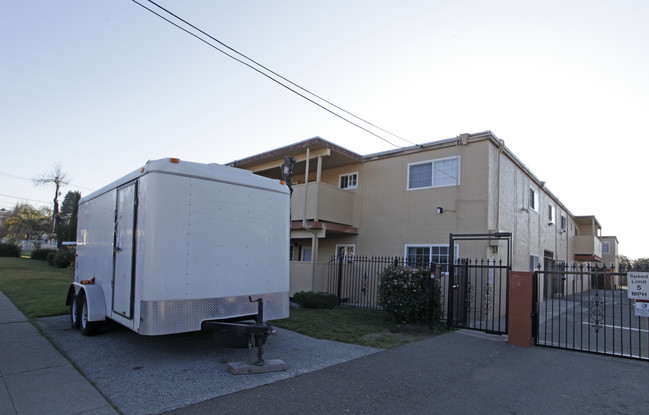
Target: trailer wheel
x,y
74,313
88,328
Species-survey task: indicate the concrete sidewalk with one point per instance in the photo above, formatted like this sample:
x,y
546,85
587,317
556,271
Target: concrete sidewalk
x,y
35,378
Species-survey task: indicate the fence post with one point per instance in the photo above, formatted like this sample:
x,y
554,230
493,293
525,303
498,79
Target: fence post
x,y
521,310
341,252
435,273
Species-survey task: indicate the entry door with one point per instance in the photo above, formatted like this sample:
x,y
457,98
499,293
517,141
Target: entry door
x,y
124,250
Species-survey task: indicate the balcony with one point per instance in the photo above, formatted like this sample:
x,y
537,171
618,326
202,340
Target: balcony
x,y
317,201
588,248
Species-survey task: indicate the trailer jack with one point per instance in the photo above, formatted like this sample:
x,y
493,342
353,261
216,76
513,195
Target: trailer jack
x,y
257,332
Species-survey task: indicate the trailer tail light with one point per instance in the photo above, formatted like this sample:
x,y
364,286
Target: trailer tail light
x,y
174,160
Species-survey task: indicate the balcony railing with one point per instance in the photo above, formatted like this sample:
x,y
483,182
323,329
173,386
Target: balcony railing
x,y
588,245
324,202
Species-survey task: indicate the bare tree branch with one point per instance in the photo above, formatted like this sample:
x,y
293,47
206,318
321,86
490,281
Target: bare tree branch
x,y
57,177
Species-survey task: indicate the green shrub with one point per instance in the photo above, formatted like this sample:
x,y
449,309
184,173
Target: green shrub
x,y
50,258
310,299
63,258
41,253
10,250
403,292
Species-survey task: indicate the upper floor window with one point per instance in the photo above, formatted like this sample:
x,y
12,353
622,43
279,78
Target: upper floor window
x,y
564,222
434,173
534,200
606,247
551,214
348,181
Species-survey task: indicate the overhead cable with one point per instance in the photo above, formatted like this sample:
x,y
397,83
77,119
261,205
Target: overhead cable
x,y
268,70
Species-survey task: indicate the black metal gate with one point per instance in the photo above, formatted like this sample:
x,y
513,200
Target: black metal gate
x,y
587,309
478,290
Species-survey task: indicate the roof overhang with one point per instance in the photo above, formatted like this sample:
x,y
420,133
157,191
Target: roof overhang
x,y
268,163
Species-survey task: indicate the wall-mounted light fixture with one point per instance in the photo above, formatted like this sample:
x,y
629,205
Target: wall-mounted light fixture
x,y
440,210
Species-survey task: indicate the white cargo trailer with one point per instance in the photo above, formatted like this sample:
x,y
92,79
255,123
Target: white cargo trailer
x,y
178,246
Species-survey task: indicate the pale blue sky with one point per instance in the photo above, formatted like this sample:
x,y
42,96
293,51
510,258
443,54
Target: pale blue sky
x,y
103,86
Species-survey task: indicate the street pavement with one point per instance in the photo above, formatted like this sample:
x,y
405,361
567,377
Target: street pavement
x,y
457,373
461,372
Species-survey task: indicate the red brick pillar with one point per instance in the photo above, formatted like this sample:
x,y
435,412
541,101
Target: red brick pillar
x,y
520,309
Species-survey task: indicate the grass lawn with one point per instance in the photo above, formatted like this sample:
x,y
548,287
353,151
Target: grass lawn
x,y
39,290
351,325
36,288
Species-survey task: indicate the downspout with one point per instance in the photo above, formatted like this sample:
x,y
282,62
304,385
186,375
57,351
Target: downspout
x,y
305,223
500,153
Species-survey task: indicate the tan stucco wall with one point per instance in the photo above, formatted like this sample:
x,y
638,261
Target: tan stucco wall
x,y
489,198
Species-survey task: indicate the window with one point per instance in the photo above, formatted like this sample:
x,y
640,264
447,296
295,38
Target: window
x,y
564,222
291,252
534,200
534,263
348,181
606,247
434,173
424,255
551,214
347,251
306,254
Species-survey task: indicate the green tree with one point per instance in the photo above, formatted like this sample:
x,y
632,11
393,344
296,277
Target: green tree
x,y
641,264
27,222
58,179
625,263
69,214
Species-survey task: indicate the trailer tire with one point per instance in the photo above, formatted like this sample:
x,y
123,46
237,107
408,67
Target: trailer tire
x,y
75,315
88,328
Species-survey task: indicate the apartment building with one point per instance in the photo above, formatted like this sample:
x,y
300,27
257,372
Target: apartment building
x,y
406,202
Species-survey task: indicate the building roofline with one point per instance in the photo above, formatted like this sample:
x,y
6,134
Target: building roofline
x,y
281,151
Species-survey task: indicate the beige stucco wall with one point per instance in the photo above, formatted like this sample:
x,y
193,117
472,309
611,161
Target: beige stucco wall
x,y
510,212
390,216
491,196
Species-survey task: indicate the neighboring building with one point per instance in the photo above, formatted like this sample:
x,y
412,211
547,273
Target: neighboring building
x,y
610,253
406,202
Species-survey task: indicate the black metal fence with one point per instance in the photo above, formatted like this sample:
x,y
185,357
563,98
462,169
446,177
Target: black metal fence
x,y
355,280
478,294
588,309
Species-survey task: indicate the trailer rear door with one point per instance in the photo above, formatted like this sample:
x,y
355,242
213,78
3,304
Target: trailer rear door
x,y
124,250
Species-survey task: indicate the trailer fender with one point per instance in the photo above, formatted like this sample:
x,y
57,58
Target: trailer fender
x,y
94,295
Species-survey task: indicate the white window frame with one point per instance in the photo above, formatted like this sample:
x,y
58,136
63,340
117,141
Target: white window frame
x,y
564,222
430,254
606,244
348,176
533,200
534,262
433,172
552,213
303,254
350,251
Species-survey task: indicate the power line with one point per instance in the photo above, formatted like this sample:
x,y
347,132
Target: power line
x,y
13,176
269,70
23,198
276,74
